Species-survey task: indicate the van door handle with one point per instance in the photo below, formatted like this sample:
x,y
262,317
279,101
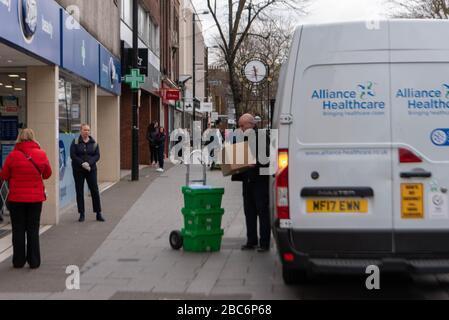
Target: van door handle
x,y
416,174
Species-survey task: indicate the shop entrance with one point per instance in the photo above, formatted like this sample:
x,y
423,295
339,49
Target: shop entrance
x,y
12,109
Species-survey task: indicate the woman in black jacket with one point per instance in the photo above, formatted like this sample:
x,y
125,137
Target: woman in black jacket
x,y
160,146
85,154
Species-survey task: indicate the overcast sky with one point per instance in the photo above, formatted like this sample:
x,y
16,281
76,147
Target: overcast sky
x,y
319,11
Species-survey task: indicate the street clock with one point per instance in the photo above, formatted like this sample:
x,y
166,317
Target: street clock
x,y
255,71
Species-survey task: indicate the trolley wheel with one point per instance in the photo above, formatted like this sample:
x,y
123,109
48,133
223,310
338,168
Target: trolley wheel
x,y
176,241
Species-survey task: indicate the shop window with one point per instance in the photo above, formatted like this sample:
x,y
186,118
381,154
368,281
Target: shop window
x,y
73,112
73,106
127,12
12,110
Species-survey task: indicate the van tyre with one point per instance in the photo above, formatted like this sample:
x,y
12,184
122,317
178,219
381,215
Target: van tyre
x,y
295,276
176,240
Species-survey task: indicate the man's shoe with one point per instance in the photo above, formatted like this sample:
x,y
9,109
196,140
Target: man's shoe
x,y
100,217
82,218
263,249
248,247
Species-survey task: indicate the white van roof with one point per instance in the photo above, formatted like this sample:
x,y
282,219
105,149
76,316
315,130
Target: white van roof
x,y
325,40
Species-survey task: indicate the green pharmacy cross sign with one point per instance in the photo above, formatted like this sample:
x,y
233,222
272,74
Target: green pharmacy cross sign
x,y
135,79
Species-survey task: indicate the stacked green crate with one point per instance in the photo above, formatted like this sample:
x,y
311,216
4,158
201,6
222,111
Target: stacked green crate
x,y
202,219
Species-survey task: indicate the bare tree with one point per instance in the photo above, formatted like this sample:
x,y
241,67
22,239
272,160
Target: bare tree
x,y
241,16
421,9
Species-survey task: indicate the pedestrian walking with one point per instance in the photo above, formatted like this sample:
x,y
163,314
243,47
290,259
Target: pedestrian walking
x,y
25,170
152,132
255,198
85,154
160,146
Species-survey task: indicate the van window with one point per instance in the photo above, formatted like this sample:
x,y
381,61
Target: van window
x,y
340,104
279,95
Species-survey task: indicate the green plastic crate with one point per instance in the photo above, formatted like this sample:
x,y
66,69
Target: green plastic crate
x,y
202,198
201,220
202,242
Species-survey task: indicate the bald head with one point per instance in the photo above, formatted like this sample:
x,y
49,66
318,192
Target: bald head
x,y
247,122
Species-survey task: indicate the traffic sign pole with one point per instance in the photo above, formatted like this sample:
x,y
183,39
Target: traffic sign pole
x,y
135,111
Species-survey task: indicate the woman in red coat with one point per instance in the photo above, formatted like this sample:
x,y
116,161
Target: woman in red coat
x,y
25,169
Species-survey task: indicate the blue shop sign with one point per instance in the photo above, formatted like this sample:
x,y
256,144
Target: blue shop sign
x,y
33,25
110,72
80,52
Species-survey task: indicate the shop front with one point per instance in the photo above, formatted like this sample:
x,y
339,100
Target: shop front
x,y
149,110
51,81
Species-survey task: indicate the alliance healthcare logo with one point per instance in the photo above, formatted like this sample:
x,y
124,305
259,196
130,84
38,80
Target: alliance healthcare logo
x,y
28,13
426,102
359,102
440,137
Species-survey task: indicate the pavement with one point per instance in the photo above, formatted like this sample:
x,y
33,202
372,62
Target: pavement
x,y
129,256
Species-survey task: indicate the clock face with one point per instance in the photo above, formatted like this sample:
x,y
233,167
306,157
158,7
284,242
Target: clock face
x,y
255,71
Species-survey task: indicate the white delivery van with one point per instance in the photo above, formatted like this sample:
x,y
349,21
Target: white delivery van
x,y
363,179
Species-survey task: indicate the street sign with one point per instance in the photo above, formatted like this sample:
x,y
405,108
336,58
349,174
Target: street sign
x,y
135,79
172,94
214,116
206,107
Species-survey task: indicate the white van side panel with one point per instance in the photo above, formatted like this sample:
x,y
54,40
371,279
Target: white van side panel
x,y
420,121
341,128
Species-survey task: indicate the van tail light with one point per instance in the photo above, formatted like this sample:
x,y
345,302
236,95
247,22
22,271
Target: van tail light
x,y
289,257
407,156
282,200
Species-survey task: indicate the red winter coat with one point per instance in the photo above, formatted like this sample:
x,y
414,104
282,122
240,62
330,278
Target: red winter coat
x,y
25,183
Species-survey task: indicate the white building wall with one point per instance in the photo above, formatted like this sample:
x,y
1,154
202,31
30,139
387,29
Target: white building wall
x,y
186,51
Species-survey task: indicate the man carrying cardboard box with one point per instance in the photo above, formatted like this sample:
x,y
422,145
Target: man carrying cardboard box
x,y
255,193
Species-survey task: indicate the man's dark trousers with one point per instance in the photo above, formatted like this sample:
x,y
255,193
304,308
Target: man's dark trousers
x,y
25,220
91,178
256,204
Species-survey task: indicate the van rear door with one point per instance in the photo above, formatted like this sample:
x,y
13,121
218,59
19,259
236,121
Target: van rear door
x,y
340,173
420,121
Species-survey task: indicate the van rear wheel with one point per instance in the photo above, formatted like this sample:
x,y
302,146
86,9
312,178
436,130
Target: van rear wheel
x,y
294,276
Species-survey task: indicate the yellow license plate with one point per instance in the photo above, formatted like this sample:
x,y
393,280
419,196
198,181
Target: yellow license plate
x,y
412,201
337,206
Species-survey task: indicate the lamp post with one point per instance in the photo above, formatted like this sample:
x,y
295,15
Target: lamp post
x,y
194,14
182,83
135,98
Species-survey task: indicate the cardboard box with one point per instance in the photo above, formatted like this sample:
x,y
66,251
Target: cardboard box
x,y
237,158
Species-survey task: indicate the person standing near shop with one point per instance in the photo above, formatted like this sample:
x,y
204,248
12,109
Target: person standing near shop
x,y
151,137
160,146
85,154
25,170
